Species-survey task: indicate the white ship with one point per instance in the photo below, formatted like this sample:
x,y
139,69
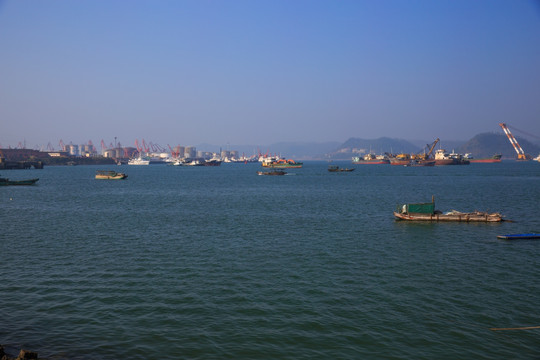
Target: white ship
x,y
138,161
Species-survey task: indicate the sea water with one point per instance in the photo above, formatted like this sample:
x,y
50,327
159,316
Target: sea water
x,y
220,263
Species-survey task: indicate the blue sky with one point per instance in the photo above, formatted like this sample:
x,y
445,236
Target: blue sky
x,y
259,72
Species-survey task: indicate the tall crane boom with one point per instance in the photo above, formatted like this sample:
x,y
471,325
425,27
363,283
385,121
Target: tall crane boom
x,y
432,147
426,155
520,153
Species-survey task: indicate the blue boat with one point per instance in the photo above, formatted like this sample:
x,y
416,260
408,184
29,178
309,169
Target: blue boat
x,y
518,236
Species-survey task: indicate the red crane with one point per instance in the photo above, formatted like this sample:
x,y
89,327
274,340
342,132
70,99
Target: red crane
x,y
145,147
174,154
139,149
520,153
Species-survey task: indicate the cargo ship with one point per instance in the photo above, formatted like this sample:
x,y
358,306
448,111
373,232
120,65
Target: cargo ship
x,y
444,158
400,159
371,159
494,159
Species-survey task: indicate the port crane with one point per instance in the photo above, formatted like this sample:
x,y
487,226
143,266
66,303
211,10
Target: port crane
x,y
174,153
430,148
520,153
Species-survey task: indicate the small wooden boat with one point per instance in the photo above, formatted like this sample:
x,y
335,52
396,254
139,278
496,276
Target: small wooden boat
x,y
427,212
335,168
519,236
6,182
275,172
109,175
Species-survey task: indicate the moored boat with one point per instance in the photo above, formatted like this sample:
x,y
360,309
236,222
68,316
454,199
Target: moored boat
x,y
273,172
427,212
282,164
212,162
420,162
400,159
494,159
371,159
109,175
202,162
519,236
139,161
444,158
335,168
7,182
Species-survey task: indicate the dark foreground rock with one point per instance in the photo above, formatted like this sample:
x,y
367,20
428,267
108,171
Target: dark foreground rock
x,y
23,355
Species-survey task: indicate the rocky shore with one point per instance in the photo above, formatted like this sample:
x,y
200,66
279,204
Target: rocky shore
x,y
23,355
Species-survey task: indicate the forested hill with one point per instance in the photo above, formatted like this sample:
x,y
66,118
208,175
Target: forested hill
x,y
481,145
356,146
488,144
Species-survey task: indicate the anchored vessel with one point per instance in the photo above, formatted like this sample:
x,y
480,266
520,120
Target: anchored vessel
x,y
335,168
139,161
371,159
6,182
109,175
519,236
494,159
442,157
427,212
421,162
273,172
282,164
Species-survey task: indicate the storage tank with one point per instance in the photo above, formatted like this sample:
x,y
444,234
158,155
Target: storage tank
x,y
180,150
110,153
73,150
190,152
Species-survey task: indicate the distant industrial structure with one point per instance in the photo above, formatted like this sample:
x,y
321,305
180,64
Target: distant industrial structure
x,y
73,154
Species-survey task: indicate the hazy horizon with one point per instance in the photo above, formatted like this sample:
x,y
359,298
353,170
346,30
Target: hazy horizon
x,y
206,146
263,72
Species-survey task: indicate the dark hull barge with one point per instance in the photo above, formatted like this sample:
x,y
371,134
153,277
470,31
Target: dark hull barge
x,y
6,182
333,168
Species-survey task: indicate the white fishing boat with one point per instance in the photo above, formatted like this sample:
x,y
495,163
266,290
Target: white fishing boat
x,y
138,161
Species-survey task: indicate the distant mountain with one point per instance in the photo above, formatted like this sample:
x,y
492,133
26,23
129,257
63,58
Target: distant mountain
x,y
450,144
482,145
488,144
303,151
355,147
297,151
